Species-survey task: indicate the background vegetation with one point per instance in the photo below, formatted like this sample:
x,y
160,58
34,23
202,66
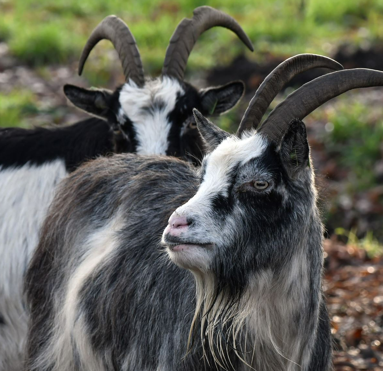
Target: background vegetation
x,y
41,40
46,31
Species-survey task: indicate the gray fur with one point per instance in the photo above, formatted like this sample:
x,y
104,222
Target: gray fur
x,y
154,120
104,295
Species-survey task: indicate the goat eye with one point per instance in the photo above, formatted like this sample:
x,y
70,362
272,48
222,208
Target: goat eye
x,y
193,125
260,185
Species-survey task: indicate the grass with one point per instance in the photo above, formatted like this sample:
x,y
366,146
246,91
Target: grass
x,y
355,139
15,106
43,45
368,243
46,31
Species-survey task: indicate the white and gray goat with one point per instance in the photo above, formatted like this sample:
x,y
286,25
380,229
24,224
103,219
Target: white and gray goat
x,y
243,230
142,116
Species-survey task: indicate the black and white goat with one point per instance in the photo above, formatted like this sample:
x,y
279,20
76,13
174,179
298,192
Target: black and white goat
x,y
145,117
245,227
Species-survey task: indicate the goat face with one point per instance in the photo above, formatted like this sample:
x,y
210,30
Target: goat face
x,y
157,118
244,232
249,189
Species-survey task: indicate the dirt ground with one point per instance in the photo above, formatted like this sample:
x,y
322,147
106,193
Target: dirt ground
x,y
354,293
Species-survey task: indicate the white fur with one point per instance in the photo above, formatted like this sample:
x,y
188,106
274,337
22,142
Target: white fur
x,y
270,302
231,152
95,250
192,257
151,125
25,194
266,310
273,327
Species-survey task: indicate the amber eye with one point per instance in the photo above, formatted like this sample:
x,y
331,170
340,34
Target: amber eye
x,y
193,125
260,185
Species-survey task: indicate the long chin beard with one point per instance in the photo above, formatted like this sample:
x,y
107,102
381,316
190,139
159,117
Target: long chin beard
x,y
220,317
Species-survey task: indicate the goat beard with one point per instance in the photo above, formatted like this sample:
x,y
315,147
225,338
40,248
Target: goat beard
x,y
220,317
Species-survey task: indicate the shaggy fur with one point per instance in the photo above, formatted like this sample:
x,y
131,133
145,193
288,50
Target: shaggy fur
x,y
16,250
154,119
104,295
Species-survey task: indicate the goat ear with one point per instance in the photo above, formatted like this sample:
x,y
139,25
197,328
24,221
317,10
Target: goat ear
x,y
219,100
294,150
96,102
211,134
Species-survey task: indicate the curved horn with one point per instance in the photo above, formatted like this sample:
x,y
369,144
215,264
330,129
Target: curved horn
x,y
276,80
313,94
187,33
115,30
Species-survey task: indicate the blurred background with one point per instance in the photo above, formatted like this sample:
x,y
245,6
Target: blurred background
x,y
40,44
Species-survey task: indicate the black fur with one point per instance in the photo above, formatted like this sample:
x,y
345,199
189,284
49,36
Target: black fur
x,y
212,135
74,144
94,137
295,149
136,306
183,139
190,145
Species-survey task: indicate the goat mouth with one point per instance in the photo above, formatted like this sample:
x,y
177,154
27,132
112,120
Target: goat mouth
x,y
176,244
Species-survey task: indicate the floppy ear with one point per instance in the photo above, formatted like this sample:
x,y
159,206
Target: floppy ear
x,y
218,100
211,134
96,102
295,150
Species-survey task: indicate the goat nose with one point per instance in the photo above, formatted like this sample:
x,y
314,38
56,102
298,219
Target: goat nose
x,y
177,221
176,225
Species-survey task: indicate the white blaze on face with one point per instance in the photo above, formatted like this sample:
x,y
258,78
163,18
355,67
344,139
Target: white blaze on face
x,y
219,165
148,108
230,153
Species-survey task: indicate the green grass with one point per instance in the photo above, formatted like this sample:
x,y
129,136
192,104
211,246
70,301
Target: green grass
x,y
5,28
368,243
15,106
355,141
46,31
43,45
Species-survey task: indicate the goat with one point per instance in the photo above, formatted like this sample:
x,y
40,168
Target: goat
x,y
243,231
145,117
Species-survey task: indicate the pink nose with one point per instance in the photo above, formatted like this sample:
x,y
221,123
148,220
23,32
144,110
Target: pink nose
x,y
176,225
177,221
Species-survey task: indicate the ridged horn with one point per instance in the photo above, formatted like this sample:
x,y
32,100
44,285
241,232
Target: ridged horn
x,y
187,32
313,94
115,30
276,80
